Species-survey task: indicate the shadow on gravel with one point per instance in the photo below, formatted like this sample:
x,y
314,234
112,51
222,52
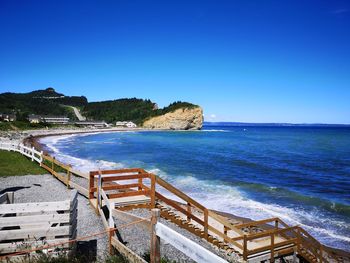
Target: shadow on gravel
x,y
13,189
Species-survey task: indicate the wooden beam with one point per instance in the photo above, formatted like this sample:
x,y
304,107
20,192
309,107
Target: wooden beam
x,y
124,177
126,194
119,171
178,193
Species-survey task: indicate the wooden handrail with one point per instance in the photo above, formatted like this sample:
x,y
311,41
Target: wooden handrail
x,y
124,177
178,193
271,231
119,171
179,208
117,187
256,223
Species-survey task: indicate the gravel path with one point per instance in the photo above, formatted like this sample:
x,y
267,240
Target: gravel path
x,y
46,188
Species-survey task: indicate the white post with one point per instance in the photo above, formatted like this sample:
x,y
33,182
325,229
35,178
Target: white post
x,y
99,185
111,221
32,154
41,157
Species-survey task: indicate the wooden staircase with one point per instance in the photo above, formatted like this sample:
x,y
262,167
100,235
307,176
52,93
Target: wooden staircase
x,y
254,241
186,224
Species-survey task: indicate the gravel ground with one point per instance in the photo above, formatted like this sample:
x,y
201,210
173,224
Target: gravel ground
x,y
45,188
139,240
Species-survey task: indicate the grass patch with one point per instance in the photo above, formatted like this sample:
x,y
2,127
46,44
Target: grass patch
x,y
12,163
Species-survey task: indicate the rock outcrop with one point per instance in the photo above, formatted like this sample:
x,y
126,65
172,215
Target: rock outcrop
x,y
180,119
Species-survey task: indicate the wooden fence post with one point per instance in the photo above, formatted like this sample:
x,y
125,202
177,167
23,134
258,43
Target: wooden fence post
x,y
245,248
91,185
140,183
155,240
272,236
206,223
53,165
189,210
68,175
153,191
225,230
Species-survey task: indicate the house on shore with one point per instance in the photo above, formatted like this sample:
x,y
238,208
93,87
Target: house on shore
x,y
95,124
55,119
32,118
8,117
125,124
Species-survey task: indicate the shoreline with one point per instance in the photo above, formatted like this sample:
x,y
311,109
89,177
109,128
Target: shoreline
x,y
33,137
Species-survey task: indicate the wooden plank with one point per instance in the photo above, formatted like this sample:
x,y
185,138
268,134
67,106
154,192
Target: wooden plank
x,y
34,233
126,194
119,171
257,223
116,187
178,193
36,219
124,177
34,207
126,252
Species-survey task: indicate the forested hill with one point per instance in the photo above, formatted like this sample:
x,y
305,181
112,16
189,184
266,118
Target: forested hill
x,y
50,102
136,110
43,102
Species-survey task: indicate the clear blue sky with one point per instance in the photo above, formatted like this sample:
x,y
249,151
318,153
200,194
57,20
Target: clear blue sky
x,y
250,61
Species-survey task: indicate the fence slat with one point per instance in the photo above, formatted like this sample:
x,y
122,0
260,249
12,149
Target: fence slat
x,y
34,207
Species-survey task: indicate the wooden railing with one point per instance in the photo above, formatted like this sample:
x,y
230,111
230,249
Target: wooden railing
x,y
64,173
281,238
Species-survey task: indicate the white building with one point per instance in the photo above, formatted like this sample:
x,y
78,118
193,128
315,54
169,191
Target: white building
x,y
128,124
96,124
55,119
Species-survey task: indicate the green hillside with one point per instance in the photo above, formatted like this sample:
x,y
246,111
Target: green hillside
x,y
136,110
49,102
43,102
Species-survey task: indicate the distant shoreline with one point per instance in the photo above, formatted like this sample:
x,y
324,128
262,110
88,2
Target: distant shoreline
x,y
252,124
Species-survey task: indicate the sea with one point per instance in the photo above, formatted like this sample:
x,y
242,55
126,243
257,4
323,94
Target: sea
x,y
300,174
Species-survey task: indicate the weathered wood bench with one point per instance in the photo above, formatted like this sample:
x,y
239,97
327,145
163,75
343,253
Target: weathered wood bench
x,y
25,226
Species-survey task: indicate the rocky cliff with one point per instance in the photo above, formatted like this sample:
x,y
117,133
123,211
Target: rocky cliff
x,y
180,119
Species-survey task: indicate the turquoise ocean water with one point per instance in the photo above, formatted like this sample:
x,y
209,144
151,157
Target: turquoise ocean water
x,y
300,174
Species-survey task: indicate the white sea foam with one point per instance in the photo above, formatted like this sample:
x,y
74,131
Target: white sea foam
x,y
231,200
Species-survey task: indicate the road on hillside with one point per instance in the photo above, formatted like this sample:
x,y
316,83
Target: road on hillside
x,y
77,113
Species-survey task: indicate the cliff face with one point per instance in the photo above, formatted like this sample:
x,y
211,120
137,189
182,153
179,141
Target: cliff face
x,y
180,119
